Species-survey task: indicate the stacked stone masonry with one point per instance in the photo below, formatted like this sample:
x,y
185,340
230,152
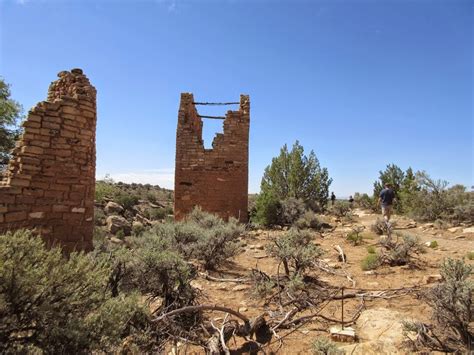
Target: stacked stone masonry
x,y
50,182
215,179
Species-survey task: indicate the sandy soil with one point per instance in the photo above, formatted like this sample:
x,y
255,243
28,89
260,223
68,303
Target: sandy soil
x,y
370,327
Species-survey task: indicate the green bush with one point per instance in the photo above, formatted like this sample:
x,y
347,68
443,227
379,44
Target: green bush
x,y
308,220
267,207
434,200
155,214
138,229
380,226
56,305
355,237
295,250
452,302
203,236
291,209
126,200
156,269
365,201
370,262
371,249
262,284
324,346
120,234
296,175
105,189
433,244
401,253
340,208
470,255
99,217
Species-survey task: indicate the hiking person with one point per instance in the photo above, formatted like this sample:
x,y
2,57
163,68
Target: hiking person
x,y
386,198
333,198
351,200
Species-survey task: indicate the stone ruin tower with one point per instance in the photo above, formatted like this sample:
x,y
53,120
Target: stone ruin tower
x,y
215,179
50,182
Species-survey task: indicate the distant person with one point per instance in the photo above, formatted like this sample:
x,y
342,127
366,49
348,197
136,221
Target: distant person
x,y
386,198
351,200
333,198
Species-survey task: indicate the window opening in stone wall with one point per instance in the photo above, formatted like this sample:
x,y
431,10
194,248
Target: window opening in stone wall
x,y
211,127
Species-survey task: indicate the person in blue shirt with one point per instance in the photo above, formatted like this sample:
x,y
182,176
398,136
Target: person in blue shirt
x,y
386,199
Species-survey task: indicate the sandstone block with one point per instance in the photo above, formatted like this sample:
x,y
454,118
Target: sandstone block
x,y
15,216
113,208
32,150
36,215
116,223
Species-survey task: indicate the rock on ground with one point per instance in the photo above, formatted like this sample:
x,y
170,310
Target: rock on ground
x,y
380,331
116,223
113,208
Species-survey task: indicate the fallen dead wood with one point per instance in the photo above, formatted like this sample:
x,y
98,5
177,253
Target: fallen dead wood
x,y
325,267
212,278
342,256
202,307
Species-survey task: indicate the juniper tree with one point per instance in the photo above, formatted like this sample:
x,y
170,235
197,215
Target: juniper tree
x,y
10,115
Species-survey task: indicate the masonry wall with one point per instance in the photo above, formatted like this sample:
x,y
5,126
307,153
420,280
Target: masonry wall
x,y
215,179
50,182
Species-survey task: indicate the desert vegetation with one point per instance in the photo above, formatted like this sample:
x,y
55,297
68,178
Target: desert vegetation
x,y
10,117
296,271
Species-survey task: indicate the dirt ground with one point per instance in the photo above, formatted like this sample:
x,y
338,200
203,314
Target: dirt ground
x,y
378,328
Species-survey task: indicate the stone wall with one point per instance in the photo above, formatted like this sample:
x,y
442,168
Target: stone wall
x,y
215,179
50,182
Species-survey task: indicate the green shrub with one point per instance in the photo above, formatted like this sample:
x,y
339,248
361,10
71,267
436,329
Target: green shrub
x,y
433,244
105,189
295,249
355,237
99,217
155,214
371,249
434,200
401,253
267,208
151,197
452,302
294,174
126,200
364,201
52,304
340,208
120,234
155,268
380,226
203,236
470,255
138,229
309,220
324,346
370,262
291,209
262,284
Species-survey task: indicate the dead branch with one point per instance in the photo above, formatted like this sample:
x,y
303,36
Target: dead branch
x,y
203,307
325,267
222,336
342,256
212,278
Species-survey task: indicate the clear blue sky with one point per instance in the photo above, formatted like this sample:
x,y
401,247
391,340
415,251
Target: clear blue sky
x,y
362,83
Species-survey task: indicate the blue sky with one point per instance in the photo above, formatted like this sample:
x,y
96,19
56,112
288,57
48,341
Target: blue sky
x,y
362,83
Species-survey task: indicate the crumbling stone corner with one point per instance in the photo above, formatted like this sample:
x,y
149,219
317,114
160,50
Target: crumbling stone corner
x,y
50,182
215,179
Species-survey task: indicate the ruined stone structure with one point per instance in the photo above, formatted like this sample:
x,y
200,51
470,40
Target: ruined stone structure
x,y
50,182
215,179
